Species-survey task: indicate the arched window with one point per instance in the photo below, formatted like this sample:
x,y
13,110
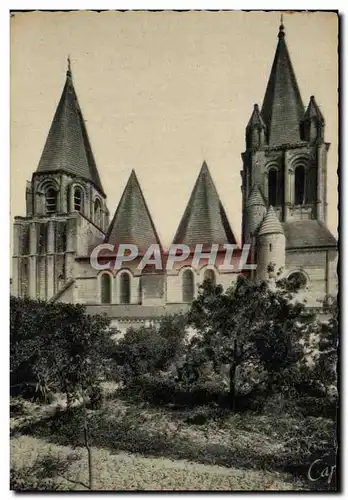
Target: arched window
x,y
78,199
97,212
272,187
105,284
124,288
51,201
188,287
296,281
300,192
209,275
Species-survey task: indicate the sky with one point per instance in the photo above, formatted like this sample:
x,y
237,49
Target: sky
x,y
161,92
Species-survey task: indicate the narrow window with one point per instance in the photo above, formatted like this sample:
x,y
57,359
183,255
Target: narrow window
x,y
61,236
272,187
78,199
97,212
51,201
270,247
124,288
299,185
25,244
106,289
42,238
209,275
187,286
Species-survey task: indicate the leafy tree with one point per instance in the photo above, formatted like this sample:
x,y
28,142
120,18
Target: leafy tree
x,y
61,348
327,354
251,322
149,350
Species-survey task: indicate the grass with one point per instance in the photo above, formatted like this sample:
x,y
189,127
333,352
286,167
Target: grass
x,y
123,471
137,446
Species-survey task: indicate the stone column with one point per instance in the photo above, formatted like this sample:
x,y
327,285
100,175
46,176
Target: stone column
x,y
50,272
16,259
33,260
320,184
287,192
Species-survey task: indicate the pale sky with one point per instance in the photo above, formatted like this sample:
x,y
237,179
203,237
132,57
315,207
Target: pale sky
x,y
160,93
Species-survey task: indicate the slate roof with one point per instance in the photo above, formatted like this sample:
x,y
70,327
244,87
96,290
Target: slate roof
x,y
313,111
67,145
204,220
308,233
271,223
282,109
256,118
255,198
132,222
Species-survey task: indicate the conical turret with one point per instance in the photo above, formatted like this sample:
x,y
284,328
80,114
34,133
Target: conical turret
x,y
254,212
270,244
255,133
313,123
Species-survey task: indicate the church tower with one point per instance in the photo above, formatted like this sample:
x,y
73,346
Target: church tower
x,y
285,147
65,205
285,171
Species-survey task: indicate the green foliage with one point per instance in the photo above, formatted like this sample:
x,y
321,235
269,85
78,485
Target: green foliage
x,y
57,347
149,350
250,323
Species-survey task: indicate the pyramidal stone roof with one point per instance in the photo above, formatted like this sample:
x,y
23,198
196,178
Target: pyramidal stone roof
x,y
256,118
67,145
282,109
132,222
204,220
271,223
313,110
255,198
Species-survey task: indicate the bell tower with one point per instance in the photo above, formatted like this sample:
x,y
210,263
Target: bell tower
x,y
65,202
285,155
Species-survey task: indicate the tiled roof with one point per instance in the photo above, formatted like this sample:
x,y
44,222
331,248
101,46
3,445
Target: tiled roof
x,y
204,220
132,222
308,233
282,108
255,197
271,223
256,118
67,145
313,110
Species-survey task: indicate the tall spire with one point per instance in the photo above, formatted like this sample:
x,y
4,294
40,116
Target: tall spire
x,y
132,222
67,145
282,108
204,220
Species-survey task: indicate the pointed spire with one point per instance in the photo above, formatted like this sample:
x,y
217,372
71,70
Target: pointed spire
x,y
67,146
204,220
281,33
256,118
313,111
271,223
132,222
68,72
282,109
255,198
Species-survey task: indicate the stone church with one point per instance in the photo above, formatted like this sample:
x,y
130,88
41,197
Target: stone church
x,y
284,189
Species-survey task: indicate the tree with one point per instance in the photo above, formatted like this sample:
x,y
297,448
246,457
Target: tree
x,y
325,370
252,322
60,347
151,349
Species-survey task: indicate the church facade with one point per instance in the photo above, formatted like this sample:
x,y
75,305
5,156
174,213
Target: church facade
x,y
284,214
